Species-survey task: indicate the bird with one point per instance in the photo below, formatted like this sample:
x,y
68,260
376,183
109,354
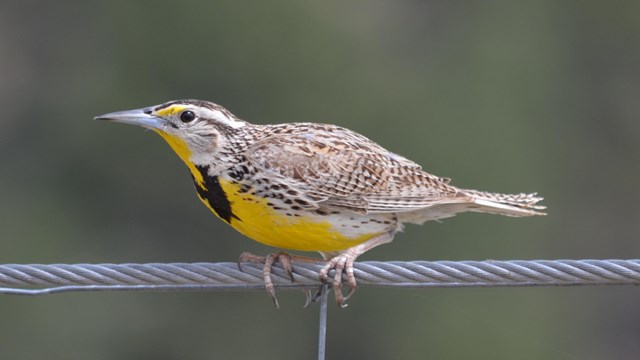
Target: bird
x,y
309,186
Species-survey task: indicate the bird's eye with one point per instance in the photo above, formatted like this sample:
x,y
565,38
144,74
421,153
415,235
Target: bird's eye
x,y
187,116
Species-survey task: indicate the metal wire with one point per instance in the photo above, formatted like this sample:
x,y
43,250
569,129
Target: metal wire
x,y
322,323
47,279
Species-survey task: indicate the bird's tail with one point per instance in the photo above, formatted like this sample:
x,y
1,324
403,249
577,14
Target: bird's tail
x,y
506,204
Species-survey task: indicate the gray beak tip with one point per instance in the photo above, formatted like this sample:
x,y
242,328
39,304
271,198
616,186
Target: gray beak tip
x,y
139,117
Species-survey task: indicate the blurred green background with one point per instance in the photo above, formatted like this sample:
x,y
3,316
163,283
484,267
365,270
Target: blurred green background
x,y
499,95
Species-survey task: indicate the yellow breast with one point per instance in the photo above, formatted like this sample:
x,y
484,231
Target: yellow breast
x,y
255,219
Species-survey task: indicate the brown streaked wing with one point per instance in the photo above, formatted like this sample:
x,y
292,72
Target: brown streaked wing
x,y
344,169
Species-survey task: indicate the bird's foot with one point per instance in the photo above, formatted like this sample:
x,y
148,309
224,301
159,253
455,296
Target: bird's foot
x,y
342,263
282,257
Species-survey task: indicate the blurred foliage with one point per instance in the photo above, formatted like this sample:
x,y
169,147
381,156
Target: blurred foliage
x,y
504,96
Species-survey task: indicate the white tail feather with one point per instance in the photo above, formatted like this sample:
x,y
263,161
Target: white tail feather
x,y
507,209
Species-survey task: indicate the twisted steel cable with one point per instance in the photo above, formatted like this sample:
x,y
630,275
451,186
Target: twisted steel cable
x,y
41,279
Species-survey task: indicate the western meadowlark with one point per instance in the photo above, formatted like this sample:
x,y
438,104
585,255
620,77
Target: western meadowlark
x,y
308,186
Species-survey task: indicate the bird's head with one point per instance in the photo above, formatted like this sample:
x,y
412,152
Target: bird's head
x,y
195,129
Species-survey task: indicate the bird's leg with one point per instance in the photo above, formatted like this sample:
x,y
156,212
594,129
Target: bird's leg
x,y
284,258
343,263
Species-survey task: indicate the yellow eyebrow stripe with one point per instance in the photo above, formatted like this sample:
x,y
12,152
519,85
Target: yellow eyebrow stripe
x,y
170,110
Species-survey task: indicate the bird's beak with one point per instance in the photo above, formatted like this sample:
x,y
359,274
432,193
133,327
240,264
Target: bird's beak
x,y
140,117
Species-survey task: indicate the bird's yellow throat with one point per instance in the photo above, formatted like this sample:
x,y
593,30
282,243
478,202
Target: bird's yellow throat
x,y
182,150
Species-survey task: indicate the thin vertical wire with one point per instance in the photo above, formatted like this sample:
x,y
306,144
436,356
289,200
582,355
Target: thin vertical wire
x,y
322,333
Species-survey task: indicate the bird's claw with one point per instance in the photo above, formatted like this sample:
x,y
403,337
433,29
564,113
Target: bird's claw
x,y
268,261
341,264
